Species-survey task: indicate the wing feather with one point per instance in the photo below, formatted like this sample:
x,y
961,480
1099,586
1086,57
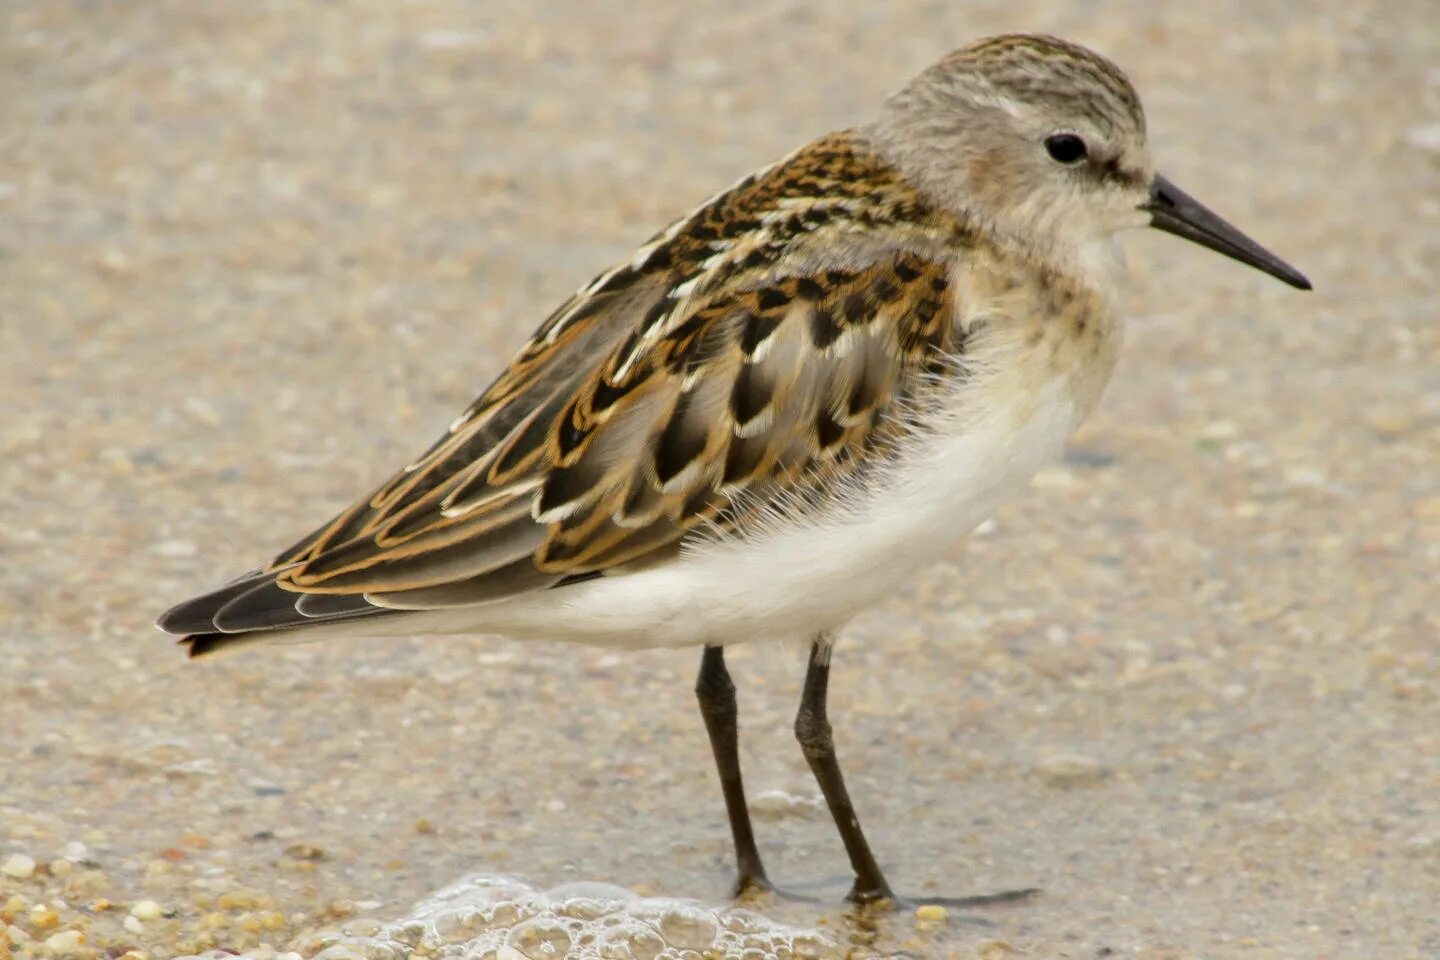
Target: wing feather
x,y
747,359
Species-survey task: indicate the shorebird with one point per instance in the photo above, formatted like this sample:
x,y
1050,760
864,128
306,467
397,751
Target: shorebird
x,y
779,409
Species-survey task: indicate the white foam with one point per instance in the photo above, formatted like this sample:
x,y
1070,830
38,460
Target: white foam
x,y
499,918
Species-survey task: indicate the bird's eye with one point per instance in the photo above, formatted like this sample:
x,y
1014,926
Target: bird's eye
x,y
1065,148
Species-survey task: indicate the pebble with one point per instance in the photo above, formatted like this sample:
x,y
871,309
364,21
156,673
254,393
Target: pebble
x,y
146,910
41,917
779,804
1425,138
1428,508
238,900
1066,770
133,925
1423,844
18,865
304,851
65,942
175,548
931,913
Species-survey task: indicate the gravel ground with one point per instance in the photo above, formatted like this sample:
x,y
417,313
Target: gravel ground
x,y
254,255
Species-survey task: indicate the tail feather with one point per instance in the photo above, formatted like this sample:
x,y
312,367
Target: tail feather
x,y
204,644
197,615
256,609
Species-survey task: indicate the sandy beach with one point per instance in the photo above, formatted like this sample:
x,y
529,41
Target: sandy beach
x,y
255,256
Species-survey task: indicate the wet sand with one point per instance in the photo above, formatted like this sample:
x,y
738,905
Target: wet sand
x,y
254,256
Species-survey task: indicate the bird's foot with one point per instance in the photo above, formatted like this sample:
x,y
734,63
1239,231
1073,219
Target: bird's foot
x,y
880,896
756,885
751,883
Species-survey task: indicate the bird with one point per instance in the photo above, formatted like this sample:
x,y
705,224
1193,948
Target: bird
x,y
779,410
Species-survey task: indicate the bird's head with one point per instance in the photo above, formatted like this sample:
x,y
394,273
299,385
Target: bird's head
x,y
1042,143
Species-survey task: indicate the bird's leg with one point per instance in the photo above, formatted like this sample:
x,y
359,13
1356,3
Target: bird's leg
x,y
716,693
812,729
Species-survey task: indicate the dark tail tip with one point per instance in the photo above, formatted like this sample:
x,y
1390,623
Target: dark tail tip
x,y
200,644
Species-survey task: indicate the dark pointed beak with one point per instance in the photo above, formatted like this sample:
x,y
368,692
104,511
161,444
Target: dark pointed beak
x,y
1174,211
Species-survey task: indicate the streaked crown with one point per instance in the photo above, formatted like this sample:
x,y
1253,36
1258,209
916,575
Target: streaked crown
x,y
1033,68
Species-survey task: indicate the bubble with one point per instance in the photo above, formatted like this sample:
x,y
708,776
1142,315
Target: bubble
x,y
500,918
687,927
539,939
629,940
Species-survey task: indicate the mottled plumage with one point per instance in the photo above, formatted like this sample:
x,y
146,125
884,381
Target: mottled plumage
x,y
748,358
779,409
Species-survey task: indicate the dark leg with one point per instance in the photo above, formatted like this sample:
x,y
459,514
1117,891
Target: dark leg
x,y
716,693
812,729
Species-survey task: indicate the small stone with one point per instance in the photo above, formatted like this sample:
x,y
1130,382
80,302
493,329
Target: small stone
x,y
18,865
450,39
304,851
1428,508
931,913
60,868
202,411
779,804
240,899
175,548
146,910
43,918
114,263
1068,770
1217,430
1424,137
1300,475
1423,844
65,942
1392,424
134,925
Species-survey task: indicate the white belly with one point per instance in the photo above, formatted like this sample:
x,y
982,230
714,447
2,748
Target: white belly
x,y
806,574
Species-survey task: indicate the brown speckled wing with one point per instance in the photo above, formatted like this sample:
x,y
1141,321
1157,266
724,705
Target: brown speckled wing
x,y
753,397
743,359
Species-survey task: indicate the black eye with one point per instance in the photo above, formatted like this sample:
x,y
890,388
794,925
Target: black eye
x,y
1065,148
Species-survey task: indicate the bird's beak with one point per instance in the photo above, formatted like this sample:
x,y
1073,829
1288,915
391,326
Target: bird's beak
x,y
1174,211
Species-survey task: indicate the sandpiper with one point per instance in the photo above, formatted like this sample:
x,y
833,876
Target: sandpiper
x,y
779,409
